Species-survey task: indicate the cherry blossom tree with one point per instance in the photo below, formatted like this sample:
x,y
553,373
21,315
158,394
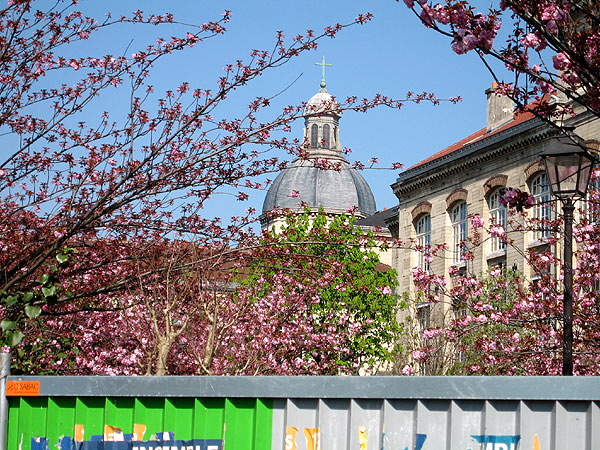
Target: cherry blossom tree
x,y
550,47
87,190
348,300
311,299
502,323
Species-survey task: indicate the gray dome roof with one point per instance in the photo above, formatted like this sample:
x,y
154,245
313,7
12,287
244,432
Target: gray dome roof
x,y
335,191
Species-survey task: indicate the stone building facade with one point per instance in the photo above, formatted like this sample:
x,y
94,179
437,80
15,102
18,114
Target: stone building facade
x,y
438,196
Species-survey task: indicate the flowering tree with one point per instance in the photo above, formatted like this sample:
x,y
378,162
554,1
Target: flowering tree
x,y
346,296
311,299
88,190
501,323
550,47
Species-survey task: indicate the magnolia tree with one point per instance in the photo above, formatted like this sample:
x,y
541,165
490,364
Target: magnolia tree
x,y
550,47
89,191
503,323
311,299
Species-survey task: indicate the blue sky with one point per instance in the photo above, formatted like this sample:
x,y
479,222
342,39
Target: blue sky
x,y
390,55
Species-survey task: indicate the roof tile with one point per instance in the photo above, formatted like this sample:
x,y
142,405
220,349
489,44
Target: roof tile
x,y
520,117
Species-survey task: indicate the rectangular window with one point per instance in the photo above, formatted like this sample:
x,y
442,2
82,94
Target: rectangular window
x,y
593,199
498,218
423,229
458,217
543,206
424,316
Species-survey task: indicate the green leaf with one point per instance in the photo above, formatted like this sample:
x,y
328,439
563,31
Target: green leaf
x,y
49,291
33,311
8,325
62,258
45,279
15,338
10,300
28,297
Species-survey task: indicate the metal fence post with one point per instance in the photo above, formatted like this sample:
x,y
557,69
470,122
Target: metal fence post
x,y
4,373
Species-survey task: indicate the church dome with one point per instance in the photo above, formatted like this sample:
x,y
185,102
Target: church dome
x,y
336,191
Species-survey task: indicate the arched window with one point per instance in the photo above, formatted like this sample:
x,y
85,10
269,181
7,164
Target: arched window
x,y
423,229
458,217
498,219
326,136
314,135
543,208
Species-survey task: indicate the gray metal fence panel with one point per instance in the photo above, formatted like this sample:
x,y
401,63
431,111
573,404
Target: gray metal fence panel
x,y
381,413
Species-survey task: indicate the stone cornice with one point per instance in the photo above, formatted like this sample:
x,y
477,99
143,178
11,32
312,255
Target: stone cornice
x,y
472,155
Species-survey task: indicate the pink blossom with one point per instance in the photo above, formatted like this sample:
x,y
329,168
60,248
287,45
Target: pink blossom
x,y
407,370
418,354
477,222
532,40
496,272
561,61
430,333
75,64
497,231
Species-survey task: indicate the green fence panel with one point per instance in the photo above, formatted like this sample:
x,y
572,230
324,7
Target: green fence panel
x,y
60,417
90,411
245,424
263,423
149,411
30,419
209,417
119,413
179,417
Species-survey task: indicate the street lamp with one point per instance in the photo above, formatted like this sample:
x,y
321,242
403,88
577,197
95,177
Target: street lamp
x,y
568,167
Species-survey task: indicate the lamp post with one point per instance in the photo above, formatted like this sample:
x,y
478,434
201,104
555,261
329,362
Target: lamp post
x,y
568,167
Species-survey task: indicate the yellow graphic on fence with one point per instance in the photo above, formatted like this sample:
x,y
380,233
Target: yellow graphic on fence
x,y
138,432
79,432
363,441
536,442
113,434
313,438
290,438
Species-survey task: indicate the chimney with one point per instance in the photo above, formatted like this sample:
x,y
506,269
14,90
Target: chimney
x,y
500,108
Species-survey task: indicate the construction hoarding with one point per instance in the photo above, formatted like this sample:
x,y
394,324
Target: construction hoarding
x,y
304,413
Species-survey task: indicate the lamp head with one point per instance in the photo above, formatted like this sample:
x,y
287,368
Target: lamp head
x,y
568,166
